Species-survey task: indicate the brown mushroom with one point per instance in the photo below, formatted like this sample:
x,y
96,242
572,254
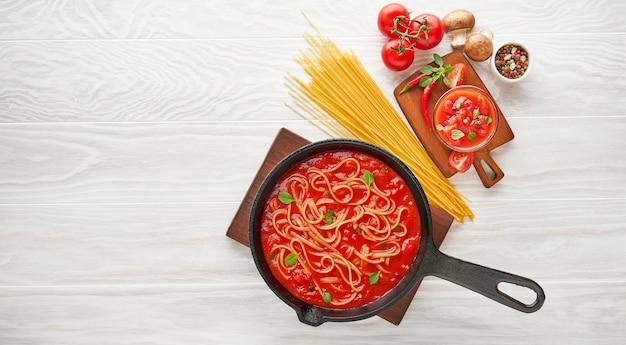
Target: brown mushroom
x,y
458,23
479,47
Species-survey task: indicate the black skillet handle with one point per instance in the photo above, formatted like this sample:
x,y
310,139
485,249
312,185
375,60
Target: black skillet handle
x,y
484,280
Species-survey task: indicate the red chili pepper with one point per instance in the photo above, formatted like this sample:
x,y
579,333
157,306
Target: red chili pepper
x,y
412,83
425,95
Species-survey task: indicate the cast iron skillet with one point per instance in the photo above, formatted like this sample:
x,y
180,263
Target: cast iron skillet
x,y
429,261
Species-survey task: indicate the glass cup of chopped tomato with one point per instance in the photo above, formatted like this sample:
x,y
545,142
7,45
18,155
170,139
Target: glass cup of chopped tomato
x,y
465,118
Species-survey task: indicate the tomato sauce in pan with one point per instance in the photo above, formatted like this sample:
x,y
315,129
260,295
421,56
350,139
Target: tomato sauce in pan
x,y
340,229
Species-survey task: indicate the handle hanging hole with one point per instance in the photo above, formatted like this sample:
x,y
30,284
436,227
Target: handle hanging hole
x,y
523,294
488,171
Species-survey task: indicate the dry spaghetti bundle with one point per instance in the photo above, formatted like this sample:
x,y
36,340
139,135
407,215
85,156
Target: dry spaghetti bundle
x,y
344,99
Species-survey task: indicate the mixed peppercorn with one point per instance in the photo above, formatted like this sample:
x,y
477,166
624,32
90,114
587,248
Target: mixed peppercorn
x,y
512,61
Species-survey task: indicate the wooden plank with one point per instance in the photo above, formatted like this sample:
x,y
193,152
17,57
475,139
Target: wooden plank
x,y
200,81
147,81
242,314
133,19
216,161
170,244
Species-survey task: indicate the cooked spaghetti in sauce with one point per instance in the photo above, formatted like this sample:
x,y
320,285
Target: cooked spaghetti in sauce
x,y
340,229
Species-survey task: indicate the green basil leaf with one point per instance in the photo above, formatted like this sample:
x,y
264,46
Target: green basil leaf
x,y
426,81
428,69
489,119
329,217
291,259
368,177
326,297
471,135
438,60
476,113
439,127
456,134
285,198
374,277
436,73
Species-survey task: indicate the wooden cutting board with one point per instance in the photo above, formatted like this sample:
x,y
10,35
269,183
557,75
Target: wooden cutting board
x,y
284,143
410,104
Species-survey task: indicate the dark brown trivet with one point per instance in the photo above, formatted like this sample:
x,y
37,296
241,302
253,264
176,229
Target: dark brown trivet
x,y
286,142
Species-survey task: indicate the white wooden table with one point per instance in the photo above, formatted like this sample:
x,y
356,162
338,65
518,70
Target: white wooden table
x,y
130,131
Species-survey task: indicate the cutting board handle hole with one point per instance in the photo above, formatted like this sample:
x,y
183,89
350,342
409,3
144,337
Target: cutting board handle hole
x,y
487,169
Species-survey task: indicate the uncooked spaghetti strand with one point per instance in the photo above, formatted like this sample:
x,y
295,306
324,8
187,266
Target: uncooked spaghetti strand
x,y
335,111
330,110
314,112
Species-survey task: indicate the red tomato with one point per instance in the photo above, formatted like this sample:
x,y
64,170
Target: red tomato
x,y
396,58
429,29
387,15
457,76
461,161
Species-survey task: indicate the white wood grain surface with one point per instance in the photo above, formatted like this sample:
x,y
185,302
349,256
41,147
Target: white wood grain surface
x,y
130,131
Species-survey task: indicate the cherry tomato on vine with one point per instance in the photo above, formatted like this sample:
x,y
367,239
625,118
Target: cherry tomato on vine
x,y
429,28
461,161
396,58
457,76
387,15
